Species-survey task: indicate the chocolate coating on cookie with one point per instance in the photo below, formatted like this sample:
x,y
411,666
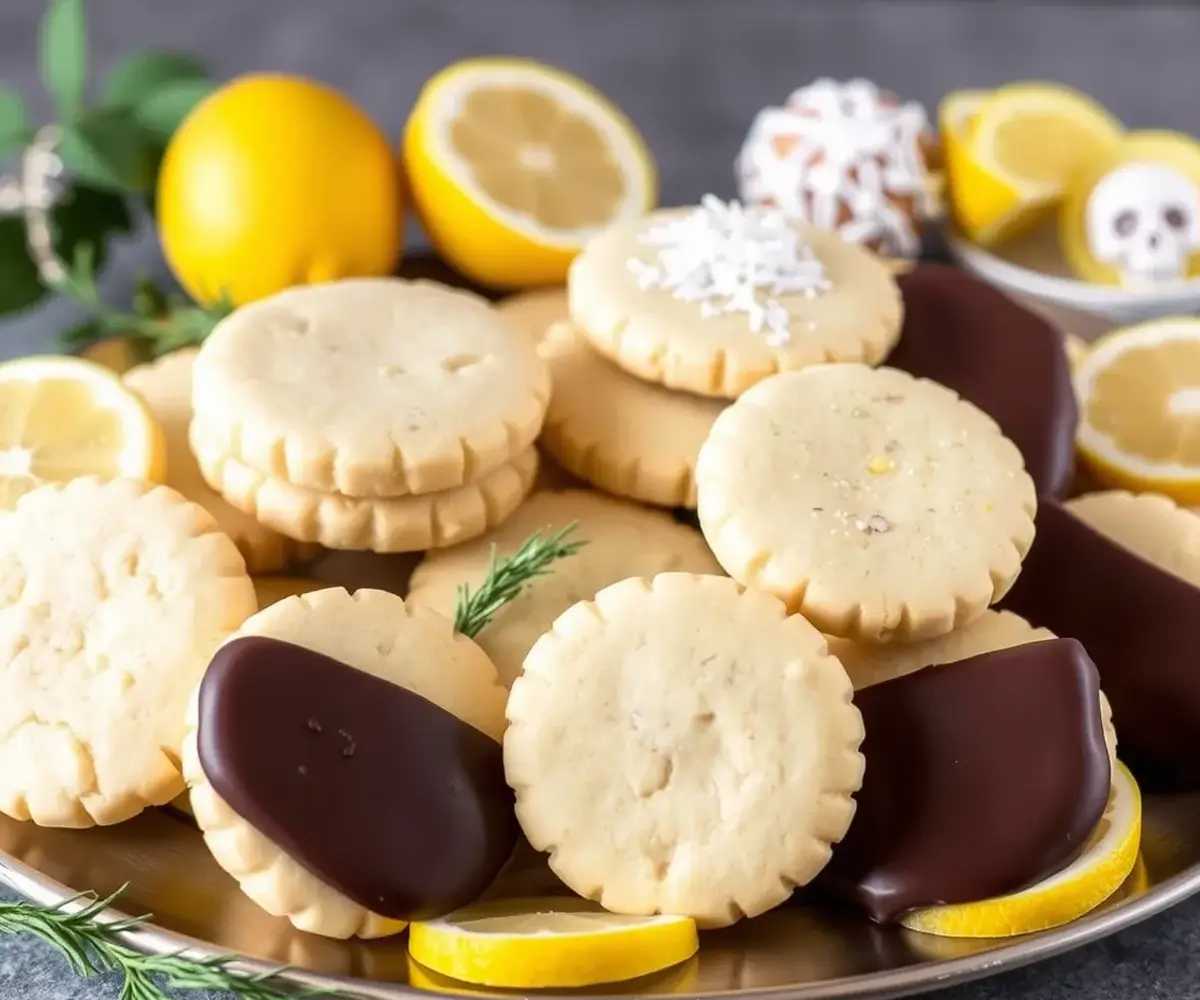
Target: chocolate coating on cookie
x,y
1002,357
982,776
391,800
1141,626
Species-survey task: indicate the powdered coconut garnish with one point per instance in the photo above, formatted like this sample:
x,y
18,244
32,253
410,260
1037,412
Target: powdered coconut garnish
x,y
733,259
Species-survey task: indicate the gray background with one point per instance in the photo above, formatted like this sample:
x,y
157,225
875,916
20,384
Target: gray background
x,y
690,73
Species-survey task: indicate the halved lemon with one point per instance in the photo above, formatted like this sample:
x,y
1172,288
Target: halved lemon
x,y
514,166
62,417
1139,401
1088,881
1012,153
553,942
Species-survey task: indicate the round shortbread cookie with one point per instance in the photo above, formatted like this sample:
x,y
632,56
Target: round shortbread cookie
x,y
680,745
620,433
873,664
535,311
113,596
380,524
622,539
378,633
370,387
166,386
878,505
684,343
1152,526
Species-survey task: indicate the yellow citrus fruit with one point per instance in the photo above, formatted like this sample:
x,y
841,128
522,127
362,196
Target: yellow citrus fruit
x,y
513,166
555,942
1161,170
1104,864
274,181
1010,154
63,417
1139,402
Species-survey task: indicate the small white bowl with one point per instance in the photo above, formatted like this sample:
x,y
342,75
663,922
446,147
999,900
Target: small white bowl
x,y
1033,268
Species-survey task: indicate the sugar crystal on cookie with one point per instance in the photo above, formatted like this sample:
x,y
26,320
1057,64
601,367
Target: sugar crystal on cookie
x,y
725,257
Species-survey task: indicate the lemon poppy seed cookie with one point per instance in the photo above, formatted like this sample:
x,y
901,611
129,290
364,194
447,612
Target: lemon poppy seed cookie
x,y
113,595
620,539
330,712
681,745
375,524
166,387
878,505
714,298
370,388
620,433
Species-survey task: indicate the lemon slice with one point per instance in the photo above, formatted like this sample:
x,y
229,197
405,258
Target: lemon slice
x,y
1096,874
554,942
1139,400
63,417
1012,154
514,166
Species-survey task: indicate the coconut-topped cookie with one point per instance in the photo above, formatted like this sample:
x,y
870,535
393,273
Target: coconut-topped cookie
x,y
878,505
848,157
714,298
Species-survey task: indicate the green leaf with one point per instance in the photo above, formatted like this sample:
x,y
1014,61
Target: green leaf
x,y
64,55
137,78
106,147
161,113
85,216
15,132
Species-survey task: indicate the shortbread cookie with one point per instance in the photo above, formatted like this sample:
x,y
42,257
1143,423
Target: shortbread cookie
x,y
680,745
166,386
622,539
113,595
370,387
878,505
713,299
620,433
1153,526
535,311
373,632
380,524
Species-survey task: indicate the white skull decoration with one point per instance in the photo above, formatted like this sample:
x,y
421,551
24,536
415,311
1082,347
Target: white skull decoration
x,y
1144,219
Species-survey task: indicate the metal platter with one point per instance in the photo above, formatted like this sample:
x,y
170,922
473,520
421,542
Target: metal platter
x,y
804,950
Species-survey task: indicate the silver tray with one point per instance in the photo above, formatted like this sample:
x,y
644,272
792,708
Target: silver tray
x,y
804,950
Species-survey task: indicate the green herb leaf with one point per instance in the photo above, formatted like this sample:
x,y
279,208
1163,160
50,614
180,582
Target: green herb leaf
x,y
15,132
64,55
107,147
162,112
84,215
137,78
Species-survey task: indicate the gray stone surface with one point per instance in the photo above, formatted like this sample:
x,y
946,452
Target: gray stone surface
x,y
691,74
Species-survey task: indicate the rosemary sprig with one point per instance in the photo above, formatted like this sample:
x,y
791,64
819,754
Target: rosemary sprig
x,y
506,578
92,947
158,324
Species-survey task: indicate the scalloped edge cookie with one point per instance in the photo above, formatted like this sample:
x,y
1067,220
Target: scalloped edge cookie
x,y
681,745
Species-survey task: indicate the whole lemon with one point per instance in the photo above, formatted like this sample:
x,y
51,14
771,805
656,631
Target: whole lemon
x,y
274,181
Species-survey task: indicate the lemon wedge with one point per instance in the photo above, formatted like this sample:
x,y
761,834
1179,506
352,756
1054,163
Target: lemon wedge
x,y
1139,401
1096,874
514,166
1011,154
63,417
554,942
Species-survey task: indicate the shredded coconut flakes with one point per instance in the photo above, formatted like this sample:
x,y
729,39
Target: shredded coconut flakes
x,y
733,259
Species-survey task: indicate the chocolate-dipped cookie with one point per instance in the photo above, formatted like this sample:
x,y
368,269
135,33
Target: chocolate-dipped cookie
x,y
982,776
345,764
1112,570
997,354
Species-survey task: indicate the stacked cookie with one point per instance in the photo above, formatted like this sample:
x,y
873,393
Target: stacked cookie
x,y
673,316
384,415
